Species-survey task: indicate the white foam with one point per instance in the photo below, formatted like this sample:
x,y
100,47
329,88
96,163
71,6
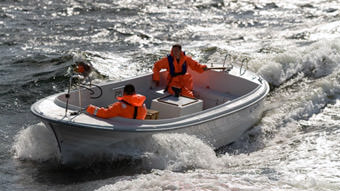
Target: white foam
x,y
309,165
192,180
318,60
36,143
313,163
177,152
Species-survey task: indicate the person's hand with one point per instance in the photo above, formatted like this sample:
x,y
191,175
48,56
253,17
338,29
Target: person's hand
x,y
90,109
205,68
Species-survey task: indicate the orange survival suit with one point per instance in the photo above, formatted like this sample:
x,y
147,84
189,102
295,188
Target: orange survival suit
x,y
128,106
178,76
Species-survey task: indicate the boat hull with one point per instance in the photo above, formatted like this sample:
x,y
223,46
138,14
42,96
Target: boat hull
x,y
78,143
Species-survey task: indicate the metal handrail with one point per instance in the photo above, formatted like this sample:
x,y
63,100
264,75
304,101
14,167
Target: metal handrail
x,y
246,67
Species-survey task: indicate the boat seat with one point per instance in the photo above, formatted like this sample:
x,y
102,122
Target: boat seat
x,y
211,97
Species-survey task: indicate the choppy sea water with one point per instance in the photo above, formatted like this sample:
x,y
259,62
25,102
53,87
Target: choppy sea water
x,y
295,46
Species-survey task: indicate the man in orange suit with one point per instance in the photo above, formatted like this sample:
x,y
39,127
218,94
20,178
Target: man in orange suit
x,y
178,78
131,105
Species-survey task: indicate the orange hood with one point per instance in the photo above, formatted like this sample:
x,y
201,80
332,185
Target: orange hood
x,y
135,100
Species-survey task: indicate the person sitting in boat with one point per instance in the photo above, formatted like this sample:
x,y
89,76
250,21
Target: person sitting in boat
x,y
131,105
179,81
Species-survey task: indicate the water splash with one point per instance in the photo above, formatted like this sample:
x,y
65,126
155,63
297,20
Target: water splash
x,y
177,152
36,143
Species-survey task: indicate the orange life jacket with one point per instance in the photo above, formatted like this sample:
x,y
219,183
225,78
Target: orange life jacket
x,y
128,106
178,75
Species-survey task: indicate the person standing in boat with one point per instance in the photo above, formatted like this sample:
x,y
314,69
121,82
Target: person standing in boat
x,y
131,105
178,78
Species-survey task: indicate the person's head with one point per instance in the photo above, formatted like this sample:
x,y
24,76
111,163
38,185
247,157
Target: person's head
x,y
129,89
176,50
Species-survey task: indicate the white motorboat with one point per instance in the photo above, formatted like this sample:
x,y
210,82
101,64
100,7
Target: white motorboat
x,y
228,103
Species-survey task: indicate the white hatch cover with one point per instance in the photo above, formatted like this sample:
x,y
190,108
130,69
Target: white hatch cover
x,y
171,106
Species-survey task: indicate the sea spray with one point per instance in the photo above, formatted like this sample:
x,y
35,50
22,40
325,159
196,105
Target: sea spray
x,y
179,152
36,143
